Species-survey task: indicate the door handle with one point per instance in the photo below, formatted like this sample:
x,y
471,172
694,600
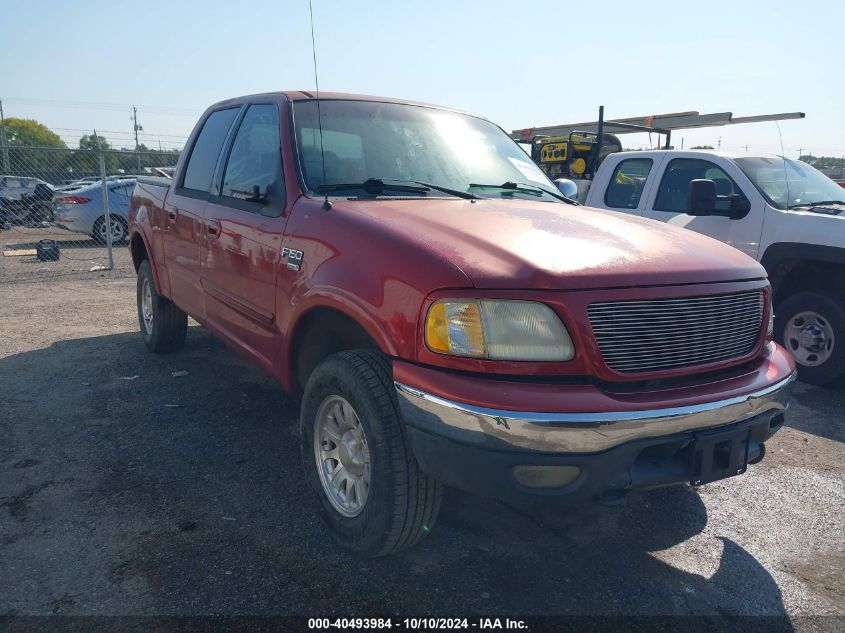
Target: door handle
x,y
213,228
172,212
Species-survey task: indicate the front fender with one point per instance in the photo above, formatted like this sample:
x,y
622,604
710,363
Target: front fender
x,y
334,299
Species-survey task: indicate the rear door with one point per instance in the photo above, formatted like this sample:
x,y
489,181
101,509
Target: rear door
x,y
669,201
626,187
184,207
243,230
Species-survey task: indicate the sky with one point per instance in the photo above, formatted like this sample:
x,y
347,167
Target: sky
x,y
82,65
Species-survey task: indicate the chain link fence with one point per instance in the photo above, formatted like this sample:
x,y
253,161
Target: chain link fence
x,y
65,212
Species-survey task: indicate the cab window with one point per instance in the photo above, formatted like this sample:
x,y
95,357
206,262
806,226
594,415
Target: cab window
x,y
200,170
673,192
627,183
253,171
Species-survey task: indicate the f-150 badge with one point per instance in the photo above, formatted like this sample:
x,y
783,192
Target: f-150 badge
x,y
293,256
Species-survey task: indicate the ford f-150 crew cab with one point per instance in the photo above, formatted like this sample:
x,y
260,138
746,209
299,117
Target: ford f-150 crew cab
x,y
783,212
448,317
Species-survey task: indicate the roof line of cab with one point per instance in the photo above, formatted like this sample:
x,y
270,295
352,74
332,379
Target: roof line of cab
x,y
309,95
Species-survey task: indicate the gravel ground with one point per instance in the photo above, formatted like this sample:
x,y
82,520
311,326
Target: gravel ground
x,y
78,255
126,490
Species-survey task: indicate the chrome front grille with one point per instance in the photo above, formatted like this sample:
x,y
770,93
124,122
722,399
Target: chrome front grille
x,y
663,334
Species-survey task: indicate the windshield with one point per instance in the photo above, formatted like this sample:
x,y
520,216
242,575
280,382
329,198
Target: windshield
x,y
774,176
396,142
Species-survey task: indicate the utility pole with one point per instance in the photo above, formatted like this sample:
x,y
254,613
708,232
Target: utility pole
x,y
719,144
137,128
3,140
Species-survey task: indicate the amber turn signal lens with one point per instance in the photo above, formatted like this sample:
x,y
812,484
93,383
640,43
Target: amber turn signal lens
x,y
454,327
437,329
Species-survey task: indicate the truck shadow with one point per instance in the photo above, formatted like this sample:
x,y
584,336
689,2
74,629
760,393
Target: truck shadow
x,y
648,555
813,408
189,492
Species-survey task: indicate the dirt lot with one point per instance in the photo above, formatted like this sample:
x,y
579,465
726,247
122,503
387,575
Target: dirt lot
x,y
78,253
126,490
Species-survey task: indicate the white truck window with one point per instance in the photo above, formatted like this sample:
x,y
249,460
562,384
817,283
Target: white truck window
x,y
627,183
673,192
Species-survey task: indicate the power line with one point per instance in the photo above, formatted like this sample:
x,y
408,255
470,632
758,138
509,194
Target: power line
x,y
93,105
155,134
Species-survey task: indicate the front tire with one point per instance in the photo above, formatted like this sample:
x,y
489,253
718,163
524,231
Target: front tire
x,y
811,326
163,325
370,489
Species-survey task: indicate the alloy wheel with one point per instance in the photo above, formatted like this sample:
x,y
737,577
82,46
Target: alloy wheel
x,y
147,306
342,455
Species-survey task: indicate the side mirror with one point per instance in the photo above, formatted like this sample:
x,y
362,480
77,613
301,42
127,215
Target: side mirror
x,y
568,188
702,197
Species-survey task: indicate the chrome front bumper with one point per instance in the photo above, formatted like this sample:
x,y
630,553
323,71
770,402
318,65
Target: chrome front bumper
x,y
579,432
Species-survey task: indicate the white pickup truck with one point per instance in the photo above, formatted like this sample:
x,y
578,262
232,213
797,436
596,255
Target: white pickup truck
x,y
784,213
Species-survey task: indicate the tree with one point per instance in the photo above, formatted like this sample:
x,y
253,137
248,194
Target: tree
x,y
86,161
30,133
24,134
703,147
90,141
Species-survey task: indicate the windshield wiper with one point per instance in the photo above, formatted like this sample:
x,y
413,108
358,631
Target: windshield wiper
x,y
817,203
377,185
374,186
521,187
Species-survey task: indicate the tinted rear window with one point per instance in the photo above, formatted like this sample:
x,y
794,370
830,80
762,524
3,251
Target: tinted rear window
x,y
200,169
627,183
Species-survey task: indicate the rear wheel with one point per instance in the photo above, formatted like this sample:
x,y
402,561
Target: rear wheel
x,y
369,487
163,325
811,326
119,229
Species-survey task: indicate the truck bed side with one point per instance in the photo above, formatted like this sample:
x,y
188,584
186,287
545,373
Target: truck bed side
x,y
146,216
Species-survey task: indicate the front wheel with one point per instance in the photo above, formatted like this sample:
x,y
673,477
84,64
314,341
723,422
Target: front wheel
x,y
163,325
369,487
811,326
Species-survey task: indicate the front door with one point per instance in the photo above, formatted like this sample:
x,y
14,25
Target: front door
x,y
669,202
243,229
184,207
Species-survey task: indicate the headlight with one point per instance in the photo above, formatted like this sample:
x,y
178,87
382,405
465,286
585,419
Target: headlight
x,y
497,330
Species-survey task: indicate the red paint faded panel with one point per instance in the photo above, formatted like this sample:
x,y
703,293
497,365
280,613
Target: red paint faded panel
x,y
362,267
545,245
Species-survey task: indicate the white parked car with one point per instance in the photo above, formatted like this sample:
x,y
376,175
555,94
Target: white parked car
x,y
14,187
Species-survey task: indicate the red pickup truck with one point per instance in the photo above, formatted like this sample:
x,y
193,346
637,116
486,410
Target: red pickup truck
x,y
447,317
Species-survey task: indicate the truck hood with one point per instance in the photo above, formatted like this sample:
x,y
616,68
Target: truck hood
x,y
527,244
